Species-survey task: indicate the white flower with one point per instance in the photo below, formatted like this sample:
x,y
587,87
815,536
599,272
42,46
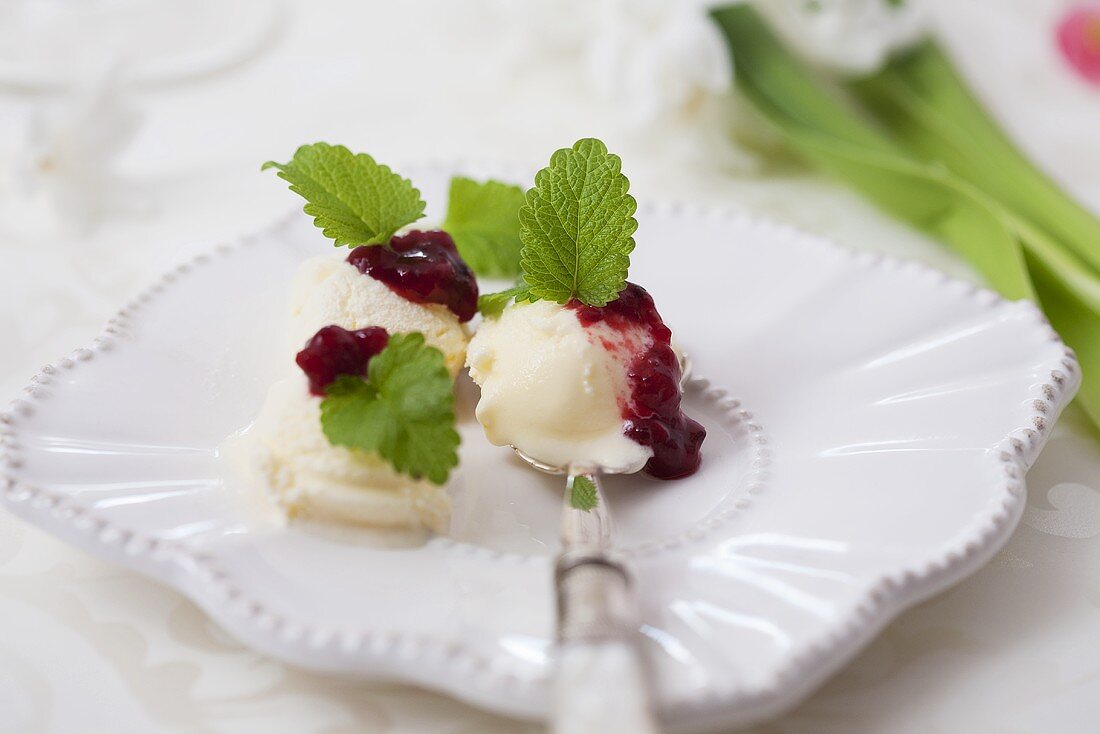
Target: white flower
x,y
60,174
655,56
850,36
658,67
662,68
662,64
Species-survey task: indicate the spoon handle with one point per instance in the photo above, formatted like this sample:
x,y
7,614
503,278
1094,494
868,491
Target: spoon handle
x,y
601,683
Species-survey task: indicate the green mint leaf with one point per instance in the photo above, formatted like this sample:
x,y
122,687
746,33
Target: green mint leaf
x,y
583,494
577,226
483,219
492,304
403,411
353,199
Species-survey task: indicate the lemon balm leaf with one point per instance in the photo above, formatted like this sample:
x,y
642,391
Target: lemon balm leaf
x,y
483,219
492,304
582,494
403,411
577,226
351,197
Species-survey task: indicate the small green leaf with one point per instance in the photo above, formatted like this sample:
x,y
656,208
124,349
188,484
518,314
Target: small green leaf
x,y
577,226
353,199
492,304
403,411
483,219
582,495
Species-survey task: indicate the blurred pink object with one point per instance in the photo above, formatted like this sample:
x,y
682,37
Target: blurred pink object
x,y
1079,39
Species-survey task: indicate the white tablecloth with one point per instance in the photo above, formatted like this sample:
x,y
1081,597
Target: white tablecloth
x,y
86,647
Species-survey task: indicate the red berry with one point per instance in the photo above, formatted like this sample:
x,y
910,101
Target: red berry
x,y
653,415
424,267
335,351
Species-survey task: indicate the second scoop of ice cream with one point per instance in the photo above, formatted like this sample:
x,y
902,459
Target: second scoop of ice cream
x,y
286,452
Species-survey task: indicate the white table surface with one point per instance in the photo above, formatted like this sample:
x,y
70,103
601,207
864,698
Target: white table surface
x,y
85,647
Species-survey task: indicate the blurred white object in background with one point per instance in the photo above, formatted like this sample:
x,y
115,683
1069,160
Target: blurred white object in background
x,y
59,176
662,66
656,56
665,68
47,44
850,36
659,64
70,67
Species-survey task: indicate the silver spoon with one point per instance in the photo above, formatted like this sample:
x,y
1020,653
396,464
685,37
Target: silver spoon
x,y
601,682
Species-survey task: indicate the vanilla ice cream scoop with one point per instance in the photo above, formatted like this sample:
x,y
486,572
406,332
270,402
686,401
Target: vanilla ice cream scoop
x,y
575,385
330,290
286,451
551,390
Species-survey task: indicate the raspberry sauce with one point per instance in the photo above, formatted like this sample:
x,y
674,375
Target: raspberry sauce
x,y
652,414
335,351
424,267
